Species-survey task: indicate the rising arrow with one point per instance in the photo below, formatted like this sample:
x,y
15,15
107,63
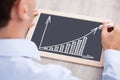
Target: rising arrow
x,y
92,31
47,22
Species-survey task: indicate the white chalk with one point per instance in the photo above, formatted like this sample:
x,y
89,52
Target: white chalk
x,y
108,25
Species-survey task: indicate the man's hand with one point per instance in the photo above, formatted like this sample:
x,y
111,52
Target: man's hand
x,y
111,40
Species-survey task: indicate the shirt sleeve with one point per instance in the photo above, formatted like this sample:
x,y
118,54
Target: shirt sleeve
x,y
52,72
57,72
111,65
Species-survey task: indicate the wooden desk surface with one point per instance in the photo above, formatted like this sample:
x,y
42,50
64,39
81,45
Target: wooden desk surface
x,y
106,9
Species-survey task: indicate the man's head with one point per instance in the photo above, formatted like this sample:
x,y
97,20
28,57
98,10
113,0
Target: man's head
x,y
15,17
5,10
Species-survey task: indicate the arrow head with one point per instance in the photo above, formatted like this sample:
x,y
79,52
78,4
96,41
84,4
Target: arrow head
x,y
48,20
94,30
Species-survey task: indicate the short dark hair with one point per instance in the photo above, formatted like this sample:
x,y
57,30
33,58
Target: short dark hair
x,y
5,11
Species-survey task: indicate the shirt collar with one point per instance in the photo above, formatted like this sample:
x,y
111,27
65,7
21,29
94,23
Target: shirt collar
x,y
18,47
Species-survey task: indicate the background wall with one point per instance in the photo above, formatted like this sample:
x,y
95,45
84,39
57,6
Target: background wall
x,y
106,9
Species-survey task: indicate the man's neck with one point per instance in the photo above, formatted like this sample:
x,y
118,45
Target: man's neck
x,y
16,30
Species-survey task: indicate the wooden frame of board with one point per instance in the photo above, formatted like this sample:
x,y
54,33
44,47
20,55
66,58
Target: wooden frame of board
x,y
64,57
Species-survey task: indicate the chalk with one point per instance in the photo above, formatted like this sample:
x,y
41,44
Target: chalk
x,y
109,25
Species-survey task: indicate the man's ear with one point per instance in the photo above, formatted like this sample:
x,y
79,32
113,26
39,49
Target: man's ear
x,y
22,10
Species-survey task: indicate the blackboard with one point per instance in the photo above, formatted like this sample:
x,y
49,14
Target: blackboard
x,y
68,36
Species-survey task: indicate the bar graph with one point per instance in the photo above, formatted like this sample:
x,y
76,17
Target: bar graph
x,y
74,47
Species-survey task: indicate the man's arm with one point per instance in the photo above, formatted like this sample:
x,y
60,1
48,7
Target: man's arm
x,y
111,65
111,46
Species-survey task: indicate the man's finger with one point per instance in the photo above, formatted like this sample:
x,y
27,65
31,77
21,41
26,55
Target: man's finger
x,y
104,28
116,26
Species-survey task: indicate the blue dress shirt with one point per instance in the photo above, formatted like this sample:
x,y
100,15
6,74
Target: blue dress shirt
x,y
111,65
16,63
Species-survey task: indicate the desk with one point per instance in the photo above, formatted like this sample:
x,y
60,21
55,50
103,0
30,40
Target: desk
x,y
106,9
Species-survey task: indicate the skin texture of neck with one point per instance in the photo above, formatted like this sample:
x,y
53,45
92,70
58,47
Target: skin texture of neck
x,y
14,30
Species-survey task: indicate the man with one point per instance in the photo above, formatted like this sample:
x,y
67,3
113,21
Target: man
x,y
16,52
